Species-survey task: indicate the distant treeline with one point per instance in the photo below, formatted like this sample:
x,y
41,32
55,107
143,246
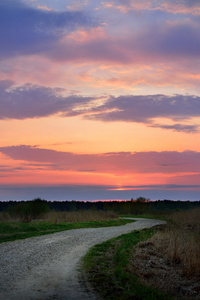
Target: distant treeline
x,y
138,206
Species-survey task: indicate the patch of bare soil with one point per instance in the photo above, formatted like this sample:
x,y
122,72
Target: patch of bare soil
x,y
151,263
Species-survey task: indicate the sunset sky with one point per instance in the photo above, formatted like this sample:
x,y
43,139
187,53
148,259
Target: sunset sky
x,y
99,99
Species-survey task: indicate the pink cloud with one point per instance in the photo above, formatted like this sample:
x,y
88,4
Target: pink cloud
x,y
166,162
126,6
170,42
64,36
109,78
174,7
189,179
167,52
43,7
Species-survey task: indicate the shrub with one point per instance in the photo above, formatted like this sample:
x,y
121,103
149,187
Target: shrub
x,y
29,210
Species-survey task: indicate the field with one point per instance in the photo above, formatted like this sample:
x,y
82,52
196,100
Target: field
x,y
12,228
158,263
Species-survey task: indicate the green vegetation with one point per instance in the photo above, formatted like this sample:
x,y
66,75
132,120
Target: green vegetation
x,y
106,268
11,231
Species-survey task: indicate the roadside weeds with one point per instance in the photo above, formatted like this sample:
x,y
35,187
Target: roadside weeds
x,y
158,263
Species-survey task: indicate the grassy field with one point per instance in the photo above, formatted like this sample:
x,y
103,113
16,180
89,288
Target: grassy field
x,y
13,229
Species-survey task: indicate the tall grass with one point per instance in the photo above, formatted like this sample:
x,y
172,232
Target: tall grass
x,y
79,216
180,242
182,248
64,217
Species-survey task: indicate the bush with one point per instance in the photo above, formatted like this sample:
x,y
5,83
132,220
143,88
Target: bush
x,y
29,210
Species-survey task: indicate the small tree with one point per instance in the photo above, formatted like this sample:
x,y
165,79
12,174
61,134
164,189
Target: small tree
x,y
30,210
142,199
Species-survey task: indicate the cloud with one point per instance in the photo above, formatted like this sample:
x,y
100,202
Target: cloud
x,y
94,45
174,39
26,30
192,179
166,162
5,84
145,108
179,127
33,101
162,41
169,6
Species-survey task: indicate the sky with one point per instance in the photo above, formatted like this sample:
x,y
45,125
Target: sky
x,y
99,99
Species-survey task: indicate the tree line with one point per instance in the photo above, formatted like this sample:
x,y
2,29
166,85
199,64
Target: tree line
x,y
139,206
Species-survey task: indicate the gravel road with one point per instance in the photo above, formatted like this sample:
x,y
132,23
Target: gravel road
x,y
46,267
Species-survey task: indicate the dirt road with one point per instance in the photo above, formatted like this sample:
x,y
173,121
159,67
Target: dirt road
x,y
47,267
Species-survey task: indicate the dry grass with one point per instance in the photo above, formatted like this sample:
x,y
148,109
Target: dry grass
x,y
187,217
6,217
170,260
79,216
183,240
67,217
182,246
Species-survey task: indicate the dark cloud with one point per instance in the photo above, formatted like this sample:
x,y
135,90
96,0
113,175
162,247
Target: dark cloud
x,y
5,84
145,108
179,127
112,163
25,30
5,169
188,3
31,101
180,39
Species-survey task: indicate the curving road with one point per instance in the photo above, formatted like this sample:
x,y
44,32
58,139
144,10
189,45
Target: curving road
x,y
46,267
